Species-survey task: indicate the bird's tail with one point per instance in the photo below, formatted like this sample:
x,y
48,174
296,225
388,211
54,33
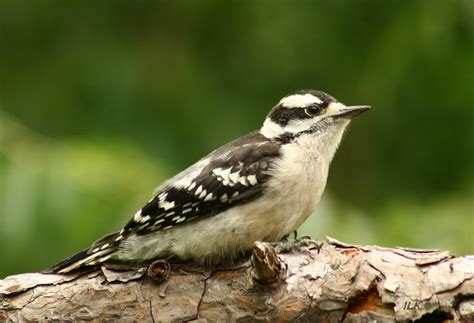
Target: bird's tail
x,y
100,252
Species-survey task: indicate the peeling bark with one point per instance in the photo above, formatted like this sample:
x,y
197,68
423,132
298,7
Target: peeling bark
x,y
337,282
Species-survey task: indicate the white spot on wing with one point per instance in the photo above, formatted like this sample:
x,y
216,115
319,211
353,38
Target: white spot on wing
x,y
143,226
144,219
193,185
208,197
203,193
187,210
243,181
166,205
222,174
217,171
234,177
104,258
224,198
199,190
138,216
252,179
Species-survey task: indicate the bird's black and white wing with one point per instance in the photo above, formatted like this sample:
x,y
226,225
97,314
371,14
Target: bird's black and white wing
x,y
235,173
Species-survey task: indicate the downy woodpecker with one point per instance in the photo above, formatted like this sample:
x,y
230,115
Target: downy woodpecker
x,y
261,186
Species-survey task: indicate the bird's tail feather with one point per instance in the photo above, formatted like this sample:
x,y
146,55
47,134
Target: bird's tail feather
x,y
100,252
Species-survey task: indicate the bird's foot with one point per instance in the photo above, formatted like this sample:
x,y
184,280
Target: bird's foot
x,y
285,246
295,235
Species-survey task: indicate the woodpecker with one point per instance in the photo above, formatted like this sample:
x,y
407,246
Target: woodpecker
x,y
261,186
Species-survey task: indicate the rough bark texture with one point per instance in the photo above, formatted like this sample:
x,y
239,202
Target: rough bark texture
x,y
338,282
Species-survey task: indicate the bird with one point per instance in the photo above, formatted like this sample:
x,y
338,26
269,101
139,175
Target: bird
x,y
259,187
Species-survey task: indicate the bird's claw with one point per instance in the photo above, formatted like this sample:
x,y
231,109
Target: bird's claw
x,y
285,246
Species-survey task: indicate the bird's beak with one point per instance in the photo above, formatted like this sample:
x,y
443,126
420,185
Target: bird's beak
x,y
339,110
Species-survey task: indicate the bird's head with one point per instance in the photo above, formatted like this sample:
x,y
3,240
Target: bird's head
x,y
308,112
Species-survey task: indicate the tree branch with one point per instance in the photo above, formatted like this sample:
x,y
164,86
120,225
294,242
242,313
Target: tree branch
x,y
335,282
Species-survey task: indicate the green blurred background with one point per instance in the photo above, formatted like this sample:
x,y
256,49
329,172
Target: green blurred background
x,y
100,101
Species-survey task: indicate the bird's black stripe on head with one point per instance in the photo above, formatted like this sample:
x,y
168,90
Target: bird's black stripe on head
x,y
282,115
288,137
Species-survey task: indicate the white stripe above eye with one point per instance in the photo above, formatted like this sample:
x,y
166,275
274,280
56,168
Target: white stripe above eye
x,y
299,100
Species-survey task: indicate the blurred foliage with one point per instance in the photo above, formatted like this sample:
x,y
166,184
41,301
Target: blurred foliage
x,y
102,101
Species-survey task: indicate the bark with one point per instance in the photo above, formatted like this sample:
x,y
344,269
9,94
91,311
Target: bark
x,y
330,281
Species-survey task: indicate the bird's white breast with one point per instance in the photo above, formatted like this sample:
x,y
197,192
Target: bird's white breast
x,y
296,186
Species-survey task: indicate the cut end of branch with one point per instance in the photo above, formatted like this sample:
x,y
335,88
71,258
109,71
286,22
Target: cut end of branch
x,y
266,267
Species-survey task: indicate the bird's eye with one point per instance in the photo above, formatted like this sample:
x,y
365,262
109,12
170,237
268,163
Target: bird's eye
x,y
313,110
